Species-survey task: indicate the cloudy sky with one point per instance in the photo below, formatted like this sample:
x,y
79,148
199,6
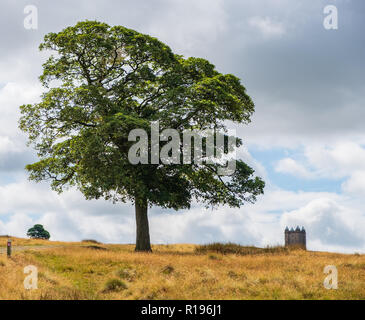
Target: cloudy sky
x,y
307,137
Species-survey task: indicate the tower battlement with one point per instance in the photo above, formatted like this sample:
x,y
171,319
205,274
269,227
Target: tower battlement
x,y
295,237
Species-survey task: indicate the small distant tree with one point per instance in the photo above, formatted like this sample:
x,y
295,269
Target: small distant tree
x,y
38,232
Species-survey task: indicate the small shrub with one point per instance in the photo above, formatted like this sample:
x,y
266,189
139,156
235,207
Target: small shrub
x,y
89,271
113,285
126,274
232,248
64,293
151,296
95,248
168,269
214,257
263,280
358,266
91,240
232,274
66,269
308,295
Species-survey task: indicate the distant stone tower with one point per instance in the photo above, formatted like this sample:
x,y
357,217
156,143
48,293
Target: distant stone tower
x,y
295,237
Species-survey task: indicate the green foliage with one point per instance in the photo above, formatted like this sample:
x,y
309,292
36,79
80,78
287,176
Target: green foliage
x,y
105,81
38,232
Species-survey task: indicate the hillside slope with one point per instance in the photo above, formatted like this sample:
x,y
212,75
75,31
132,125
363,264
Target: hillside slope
x,y
98,271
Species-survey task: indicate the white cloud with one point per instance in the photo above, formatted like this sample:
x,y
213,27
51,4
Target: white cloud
x,y
6,145
336,160
290,166
329,218
188,25
355,184
267,26
329,224
340,160
67,216
244,155
18,224
12,96
13,151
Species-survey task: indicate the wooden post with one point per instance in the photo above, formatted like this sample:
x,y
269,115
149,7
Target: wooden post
x,y
9,248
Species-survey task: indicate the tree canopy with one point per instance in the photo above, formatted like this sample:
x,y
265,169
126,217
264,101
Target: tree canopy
x,y
38,232
100,84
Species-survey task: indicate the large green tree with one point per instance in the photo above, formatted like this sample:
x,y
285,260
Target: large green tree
x,y
38,232
101,83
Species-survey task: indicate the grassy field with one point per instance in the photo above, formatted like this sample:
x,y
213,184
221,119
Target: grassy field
x,y
83,270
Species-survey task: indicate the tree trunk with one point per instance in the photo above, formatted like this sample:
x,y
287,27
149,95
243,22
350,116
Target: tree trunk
x,y
143,232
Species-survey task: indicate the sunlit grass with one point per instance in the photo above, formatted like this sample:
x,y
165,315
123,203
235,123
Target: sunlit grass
x,y
33,242
180,271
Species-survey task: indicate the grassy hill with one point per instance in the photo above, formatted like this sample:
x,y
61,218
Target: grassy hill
x,y
87,270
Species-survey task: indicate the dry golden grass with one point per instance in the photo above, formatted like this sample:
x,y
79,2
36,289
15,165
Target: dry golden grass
x,y
33,242
178,272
